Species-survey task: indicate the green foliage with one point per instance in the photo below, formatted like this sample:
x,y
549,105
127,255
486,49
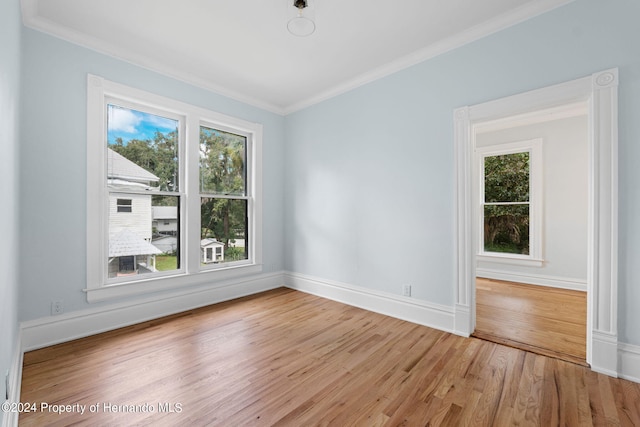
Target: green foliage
x,y
222,162
166,262
506,178
158,156
234,254
506,226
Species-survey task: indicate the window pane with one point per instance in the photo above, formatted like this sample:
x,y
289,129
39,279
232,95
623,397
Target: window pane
x,y
124,205
142,150
139,240
506,229
506,178
223,228
222,162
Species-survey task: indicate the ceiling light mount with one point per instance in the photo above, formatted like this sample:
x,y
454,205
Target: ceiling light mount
x,y
301,26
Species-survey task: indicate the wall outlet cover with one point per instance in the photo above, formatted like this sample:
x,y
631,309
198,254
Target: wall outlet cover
x,y
406,290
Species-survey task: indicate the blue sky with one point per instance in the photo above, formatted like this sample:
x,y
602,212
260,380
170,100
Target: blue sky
x,y
132,124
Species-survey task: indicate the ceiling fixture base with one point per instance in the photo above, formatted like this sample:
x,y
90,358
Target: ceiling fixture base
x,y
301,26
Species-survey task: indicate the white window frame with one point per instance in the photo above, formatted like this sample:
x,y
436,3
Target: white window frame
x,y
534,148
98,287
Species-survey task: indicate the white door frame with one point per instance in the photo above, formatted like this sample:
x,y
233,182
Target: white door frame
x,y
600,90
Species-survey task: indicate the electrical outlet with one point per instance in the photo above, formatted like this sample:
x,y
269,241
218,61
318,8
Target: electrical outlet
x,y
56,307
406,290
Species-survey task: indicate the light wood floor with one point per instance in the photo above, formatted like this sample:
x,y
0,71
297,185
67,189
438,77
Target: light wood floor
x,y
545,320
293,359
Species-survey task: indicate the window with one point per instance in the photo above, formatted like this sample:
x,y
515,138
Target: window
x,y
510,202
151,157
124,205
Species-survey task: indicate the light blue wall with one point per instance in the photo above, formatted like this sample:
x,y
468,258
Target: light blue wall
x,y
10,23
364,181
53,166
369,182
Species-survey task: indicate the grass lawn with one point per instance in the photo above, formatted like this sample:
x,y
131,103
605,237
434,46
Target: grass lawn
x,y
166,262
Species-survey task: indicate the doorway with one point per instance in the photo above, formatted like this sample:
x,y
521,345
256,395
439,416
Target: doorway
x,y
531,177
599,91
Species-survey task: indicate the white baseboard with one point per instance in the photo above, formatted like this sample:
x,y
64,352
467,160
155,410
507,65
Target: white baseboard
x,y
629,362
462,321
52,330
405,308
604,353
10,419
533,279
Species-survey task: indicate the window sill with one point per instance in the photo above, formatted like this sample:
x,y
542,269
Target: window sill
x,y
511,260
156,284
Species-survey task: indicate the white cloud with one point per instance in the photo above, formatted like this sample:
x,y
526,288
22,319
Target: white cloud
x,y
122,119
160,122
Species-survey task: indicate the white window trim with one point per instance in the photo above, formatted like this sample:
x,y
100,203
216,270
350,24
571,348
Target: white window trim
x,y
191,273
534,147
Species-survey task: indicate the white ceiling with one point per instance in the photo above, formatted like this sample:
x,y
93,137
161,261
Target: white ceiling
x,y
241,48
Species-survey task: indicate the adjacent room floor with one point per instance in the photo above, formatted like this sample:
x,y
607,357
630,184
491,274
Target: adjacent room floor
x,y
541,319
288,358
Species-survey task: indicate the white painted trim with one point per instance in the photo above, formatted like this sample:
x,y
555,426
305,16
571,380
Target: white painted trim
x,y
534,117
534,279
10,419
510,260
527,11
173,282
404,308
600,90
604,357
462,318
629,362
52,330
464,244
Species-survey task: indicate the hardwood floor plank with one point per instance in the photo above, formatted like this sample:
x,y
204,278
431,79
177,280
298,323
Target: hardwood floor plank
x,y
540,319
290,359
627,398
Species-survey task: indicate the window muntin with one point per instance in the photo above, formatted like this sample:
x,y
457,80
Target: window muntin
x,y
511,201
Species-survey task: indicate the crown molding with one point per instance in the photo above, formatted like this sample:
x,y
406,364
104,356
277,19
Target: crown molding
x,y
471,35
32,20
